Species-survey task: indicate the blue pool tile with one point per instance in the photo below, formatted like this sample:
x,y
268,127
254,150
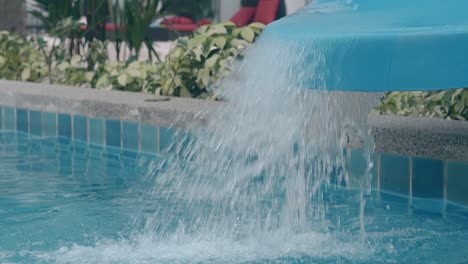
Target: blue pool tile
x,y
457,182
80,128
9,114
23,166
1,118
424,206
393,199
96,131
65,164
79,157
113,133
130,135
49,124
79,148
394,173
125,154
22,120
95,152
357,168
165,137
64,125
35,123
295,149
149,137
428,178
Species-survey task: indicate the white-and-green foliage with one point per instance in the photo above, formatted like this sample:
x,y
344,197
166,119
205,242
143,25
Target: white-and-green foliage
x,y
200,62
136,76
20,59
192,67
195,64
447,104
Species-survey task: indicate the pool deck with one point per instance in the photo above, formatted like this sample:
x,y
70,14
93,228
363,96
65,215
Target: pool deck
x,y
409,136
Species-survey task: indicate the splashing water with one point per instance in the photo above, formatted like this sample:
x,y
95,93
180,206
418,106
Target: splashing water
x,y
264,160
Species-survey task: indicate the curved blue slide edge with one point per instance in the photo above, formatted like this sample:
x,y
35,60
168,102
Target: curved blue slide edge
x,y
380,45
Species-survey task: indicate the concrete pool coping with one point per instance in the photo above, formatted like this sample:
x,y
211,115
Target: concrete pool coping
x,y
409,136
420,137
137,107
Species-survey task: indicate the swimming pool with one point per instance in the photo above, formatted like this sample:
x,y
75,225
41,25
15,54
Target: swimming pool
x,y
67,201
80,168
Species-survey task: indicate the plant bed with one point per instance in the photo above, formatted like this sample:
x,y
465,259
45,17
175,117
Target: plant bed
x,y
192,66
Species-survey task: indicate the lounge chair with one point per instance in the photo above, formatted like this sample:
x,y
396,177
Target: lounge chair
x,y
265,11
183,24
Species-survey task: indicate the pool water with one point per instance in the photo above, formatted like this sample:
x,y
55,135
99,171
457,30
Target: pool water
x,y
54,193
67,202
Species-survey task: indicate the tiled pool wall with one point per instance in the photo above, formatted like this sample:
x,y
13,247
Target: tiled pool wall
x,y
414,176
133,136
406,175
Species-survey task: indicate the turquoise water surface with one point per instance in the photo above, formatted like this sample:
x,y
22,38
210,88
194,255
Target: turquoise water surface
x,y
67,202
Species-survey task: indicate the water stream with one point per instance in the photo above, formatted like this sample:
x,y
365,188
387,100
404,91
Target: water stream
x,y
264,161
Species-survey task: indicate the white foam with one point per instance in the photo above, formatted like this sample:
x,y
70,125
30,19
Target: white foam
x,y
199,250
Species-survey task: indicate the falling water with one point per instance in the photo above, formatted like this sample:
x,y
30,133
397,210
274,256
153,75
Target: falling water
x,y
265,162
259,179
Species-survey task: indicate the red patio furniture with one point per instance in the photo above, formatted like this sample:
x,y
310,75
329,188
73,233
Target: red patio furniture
x,y
183,24
267,11
113,27
244,16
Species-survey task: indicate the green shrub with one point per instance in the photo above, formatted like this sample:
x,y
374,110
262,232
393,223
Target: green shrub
x,y
449,104
20,59
136,77
81,69
192,66
202,61
72,72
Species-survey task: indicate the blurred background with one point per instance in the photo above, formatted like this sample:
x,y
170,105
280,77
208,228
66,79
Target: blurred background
x,y
16,16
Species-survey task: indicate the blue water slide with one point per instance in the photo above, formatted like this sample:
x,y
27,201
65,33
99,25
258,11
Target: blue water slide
x,y
382,45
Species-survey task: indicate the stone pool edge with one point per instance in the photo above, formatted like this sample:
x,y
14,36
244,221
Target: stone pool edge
x,y
119,105
420,137
408,136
